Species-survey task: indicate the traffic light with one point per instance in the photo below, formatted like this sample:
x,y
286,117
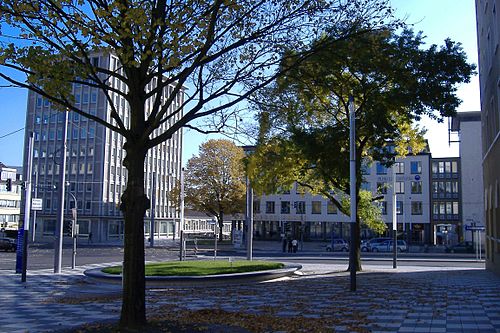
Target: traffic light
x,y
68,228
9,184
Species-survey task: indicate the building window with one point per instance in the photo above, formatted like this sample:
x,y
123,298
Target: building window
x,y
416,167
416,208
383,207
416,187
300,207
285,207
399,207
316,207
400,187
269,207
256,206
49,227
399,167
381,188
365,168
381,169
331,208
366,186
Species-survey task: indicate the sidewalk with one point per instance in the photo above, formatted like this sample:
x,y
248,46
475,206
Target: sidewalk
x,y
408,299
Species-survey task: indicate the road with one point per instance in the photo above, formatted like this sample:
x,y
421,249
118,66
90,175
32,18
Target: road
x,y
42,257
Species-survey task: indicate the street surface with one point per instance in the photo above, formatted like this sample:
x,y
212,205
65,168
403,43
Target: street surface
x,y
41,256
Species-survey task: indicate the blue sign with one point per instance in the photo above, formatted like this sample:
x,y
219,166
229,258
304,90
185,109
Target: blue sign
x,y
474,228
417,177
19,252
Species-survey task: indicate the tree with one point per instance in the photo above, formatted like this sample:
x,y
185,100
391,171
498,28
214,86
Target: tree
x,y
221,50
214,181
304,119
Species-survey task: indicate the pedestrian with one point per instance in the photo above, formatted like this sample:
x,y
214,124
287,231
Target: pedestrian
x,y
295,244
290,246
284,245
90,238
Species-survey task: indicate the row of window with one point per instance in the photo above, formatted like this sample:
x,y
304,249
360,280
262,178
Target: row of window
x,y
415,187
399,168
446,187
299,207
75,133
416,207
10,203
84,151
445,208
445,167
74,168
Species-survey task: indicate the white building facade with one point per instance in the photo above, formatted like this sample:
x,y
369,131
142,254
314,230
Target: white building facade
x,y
468,127
95,174
298,214
10,201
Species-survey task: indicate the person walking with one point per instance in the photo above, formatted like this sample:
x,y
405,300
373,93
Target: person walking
x,y
295,244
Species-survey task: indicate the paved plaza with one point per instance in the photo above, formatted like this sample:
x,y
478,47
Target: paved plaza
x,y
406,299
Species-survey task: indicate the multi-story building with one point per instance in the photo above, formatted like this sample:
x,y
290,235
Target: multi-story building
x,y
297,213
468,127
445,201
10,200
488,36
95,175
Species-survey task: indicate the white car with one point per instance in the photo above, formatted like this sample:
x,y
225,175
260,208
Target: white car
x,y
338,245
386,246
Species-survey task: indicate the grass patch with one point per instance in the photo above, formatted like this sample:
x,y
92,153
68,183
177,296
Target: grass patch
x,y
201,267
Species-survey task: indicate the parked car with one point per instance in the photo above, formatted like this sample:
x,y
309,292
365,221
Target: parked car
x,y
464,247
387,246
367,246
8,244
337,245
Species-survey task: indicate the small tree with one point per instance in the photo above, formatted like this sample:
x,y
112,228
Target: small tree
x,y
394,82
214,181
221,50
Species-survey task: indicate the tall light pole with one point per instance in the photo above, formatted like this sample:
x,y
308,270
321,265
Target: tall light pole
x,y
352,174
152,211
181,220
58,242
249,208
394,220
27,208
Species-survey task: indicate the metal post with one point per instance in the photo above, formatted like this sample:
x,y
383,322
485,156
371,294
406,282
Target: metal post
x,y
394,221
74,231
181,221
352,174
181,245
249,219
215,243
33,232
58,242
152,211
27,208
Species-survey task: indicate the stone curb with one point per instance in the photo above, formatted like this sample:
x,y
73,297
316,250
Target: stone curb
x,y
192,281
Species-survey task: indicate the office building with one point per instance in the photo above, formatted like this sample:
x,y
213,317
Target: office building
x,y
95,175
445,201
298,214
488,37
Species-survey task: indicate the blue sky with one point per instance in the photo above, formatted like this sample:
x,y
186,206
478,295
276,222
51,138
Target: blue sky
x,y
438,19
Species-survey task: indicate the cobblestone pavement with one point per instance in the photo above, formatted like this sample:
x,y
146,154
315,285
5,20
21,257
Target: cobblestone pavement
x,y
407,299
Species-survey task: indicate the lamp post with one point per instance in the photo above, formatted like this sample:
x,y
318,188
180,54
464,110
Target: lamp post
x,y
352,174
58,241
181,220
74,229
394,220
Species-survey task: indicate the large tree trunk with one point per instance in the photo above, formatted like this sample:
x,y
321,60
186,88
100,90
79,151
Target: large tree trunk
x,y
134,205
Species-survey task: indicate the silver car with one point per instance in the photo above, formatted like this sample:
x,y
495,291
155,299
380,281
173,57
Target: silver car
x,y
338,245
387,246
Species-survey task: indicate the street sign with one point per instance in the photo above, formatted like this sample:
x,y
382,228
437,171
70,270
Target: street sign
x,y
36,204
417,177
474,228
